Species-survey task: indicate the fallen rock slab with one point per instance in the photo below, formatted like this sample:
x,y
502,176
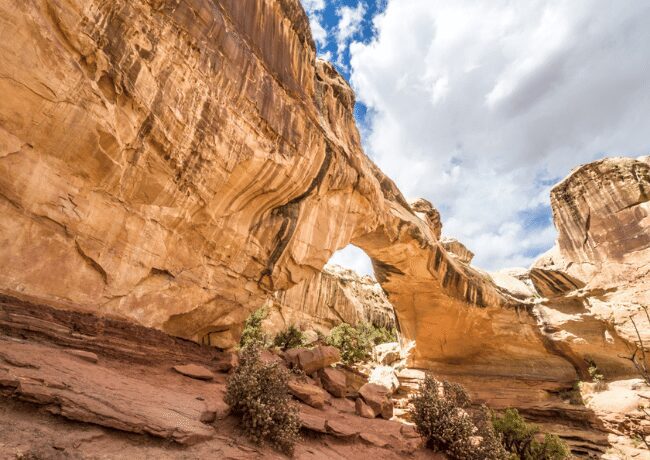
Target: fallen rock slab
x,y
195,371
341,429
312,420
378,398
87,392
308,393
312,360
363,410
333,380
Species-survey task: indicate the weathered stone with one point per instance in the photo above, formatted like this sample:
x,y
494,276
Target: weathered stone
x,y
458,249
385,376
386,353
332,296
311,360
333,380
195,371
83,391
377,397
308,393
374,439
341,429
363,410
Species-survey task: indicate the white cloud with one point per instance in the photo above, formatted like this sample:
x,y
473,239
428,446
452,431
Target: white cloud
x,y
353,258
479,106
314,10
349,25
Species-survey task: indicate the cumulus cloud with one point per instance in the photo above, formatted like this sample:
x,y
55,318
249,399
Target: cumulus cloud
x,y
349,25
314,10
482,106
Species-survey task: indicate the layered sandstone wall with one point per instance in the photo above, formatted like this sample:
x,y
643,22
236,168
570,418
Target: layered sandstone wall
x,y
177,163
597,277
174,163
334,296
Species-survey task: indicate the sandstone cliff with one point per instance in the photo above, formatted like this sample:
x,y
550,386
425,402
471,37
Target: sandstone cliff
x,y
334,296
174,163
598,274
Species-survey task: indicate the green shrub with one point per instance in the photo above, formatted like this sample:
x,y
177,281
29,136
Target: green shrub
x,y
447,422
353,342
378,335
258,392
253,334
291,337
520,438
574,395
356,342
597,377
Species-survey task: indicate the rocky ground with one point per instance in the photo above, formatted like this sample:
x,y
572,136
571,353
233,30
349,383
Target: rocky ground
x,y
75,386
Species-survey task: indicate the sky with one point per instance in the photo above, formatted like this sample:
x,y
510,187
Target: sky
x,y
481,106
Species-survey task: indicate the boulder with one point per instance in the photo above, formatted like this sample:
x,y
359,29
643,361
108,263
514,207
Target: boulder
x,y
377,397
308,393
354,379
385,376
195,371
386,353
333,380
314,359
363,410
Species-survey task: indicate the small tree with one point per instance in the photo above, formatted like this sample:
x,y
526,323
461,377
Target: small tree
x,y
639,359
289,338
597,377
253,334
258,392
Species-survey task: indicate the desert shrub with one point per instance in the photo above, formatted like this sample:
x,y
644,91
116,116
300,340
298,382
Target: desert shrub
x,y
353,342
573,395
356,342
253,334
378,335
597,377
258,392
520,438
443,416
291,337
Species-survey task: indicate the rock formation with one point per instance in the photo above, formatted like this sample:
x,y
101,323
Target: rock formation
x,y
334,296
598,274
176,164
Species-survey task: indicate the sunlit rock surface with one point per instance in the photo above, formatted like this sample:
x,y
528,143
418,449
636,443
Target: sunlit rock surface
x,y
334,296
598,274
177,164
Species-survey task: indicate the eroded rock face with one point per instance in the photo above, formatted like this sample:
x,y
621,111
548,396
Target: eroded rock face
x,y
175,163
333,296
598,274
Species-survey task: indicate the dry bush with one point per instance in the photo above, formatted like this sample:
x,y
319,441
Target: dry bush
x,y
258,392
443,416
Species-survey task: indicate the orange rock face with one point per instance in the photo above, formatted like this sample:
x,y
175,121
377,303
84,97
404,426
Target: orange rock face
x,y
598,274
177,163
